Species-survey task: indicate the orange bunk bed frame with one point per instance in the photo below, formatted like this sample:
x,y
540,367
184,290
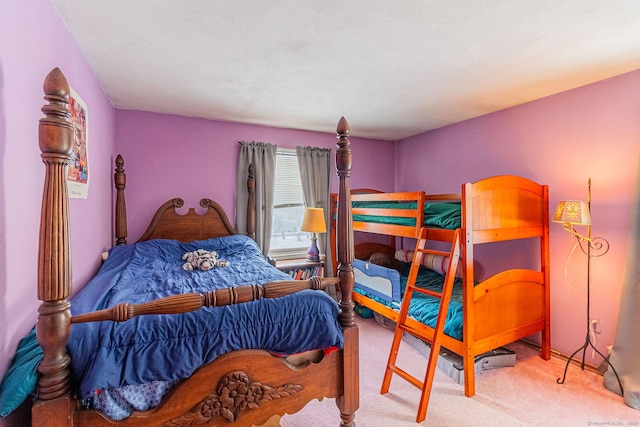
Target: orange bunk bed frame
x,y
510,305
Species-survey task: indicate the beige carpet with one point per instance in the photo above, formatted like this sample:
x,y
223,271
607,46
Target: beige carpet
x,y
524,395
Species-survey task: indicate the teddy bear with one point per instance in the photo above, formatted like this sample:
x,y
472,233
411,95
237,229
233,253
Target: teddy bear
x,y
202,259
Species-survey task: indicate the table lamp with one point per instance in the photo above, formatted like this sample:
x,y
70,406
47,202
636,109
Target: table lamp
x,y
313,222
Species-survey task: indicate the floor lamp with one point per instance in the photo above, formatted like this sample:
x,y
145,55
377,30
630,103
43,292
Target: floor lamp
x,y
577,212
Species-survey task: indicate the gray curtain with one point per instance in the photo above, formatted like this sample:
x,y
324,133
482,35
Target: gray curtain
x,y
315,175
263,157
626,345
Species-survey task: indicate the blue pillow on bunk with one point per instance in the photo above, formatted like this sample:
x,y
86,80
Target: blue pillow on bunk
x,y
20,380
380,281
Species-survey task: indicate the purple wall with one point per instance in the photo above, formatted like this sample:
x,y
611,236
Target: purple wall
x,y
562,140
171,156
33,40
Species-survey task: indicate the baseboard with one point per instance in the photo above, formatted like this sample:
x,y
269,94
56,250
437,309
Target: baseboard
x,y
600,370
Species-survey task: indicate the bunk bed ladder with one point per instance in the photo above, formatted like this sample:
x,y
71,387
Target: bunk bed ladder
x,y
432,336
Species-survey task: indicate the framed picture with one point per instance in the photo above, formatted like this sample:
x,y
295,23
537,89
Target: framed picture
x,y
78,175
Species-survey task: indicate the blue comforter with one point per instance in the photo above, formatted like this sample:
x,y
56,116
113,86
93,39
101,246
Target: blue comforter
x,y
127,360
170,347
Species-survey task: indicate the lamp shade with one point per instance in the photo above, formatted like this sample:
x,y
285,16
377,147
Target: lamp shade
x,y
313,221
573,212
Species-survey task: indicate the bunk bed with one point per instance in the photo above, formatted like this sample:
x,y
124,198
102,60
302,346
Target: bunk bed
x,y
242,386
482,315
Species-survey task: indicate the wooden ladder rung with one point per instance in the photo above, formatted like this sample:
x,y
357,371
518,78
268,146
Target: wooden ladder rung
x,y
408,329
407,376
427,292
434,252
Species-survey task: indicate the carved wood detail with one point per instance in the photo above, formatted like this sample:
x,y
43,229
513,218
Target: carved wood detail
x,y
234,394
55,138
251,203
345,253
120,180
184,303
350,399
168,224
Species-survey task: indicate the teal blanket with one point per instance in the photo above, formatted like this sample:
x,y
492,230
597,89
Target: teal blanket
x,y
445,215
20,380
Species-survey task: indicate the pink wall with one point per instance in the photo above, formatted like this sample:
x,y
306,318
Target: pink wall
x,y
33,40
563,140
596,128
171,156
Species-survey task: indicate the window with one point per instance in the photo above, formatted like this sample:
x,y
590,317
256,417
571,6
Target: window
x,y
287,241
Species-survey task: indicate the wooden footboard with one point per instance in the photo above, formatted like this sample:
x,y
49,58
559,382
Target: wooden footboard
x,y
243,387
493,326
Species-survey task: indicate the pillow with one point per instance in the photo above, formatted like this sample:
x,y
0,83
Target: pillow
x,y
437,263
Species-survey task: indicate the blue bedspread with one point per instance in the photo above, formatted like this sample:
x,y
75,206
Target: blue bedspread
x,y
135,363
150,348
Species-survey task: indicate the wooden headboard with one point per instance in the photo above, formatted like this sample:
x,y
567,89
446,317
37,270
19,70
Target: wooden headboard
x,y
167,223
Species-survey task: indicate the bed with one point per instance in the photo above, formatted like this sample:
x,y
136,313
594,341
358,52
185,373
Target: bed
x,y
244,384
483,314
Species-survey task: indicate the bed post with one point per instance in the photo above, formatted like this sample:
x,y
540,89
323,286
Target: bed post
x,y
350,400
120,180
251,203
55,135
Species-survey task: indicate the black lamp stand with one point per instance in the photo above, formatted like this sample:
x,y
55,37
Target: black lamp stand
x,y
596,247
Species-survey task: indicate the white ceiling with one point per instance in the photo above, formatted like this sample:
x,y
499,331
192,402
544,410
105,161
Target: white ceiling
x,y
393,68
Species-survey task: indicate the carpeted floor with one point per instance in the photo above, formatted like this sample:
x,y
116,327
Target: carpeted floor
x,y
524,395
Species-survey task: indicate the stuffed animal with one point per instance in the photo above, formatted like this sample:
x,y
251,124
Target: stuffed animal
x,y
202,259
385,260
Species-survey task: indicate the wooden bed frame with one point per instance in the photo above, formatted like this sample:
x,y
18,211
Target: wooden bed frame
x,y
291,382
503,308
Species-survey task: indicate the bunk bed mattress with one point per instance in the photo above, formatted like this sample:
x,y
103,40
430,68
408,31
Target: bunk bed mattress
x,y
445,215
423,308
